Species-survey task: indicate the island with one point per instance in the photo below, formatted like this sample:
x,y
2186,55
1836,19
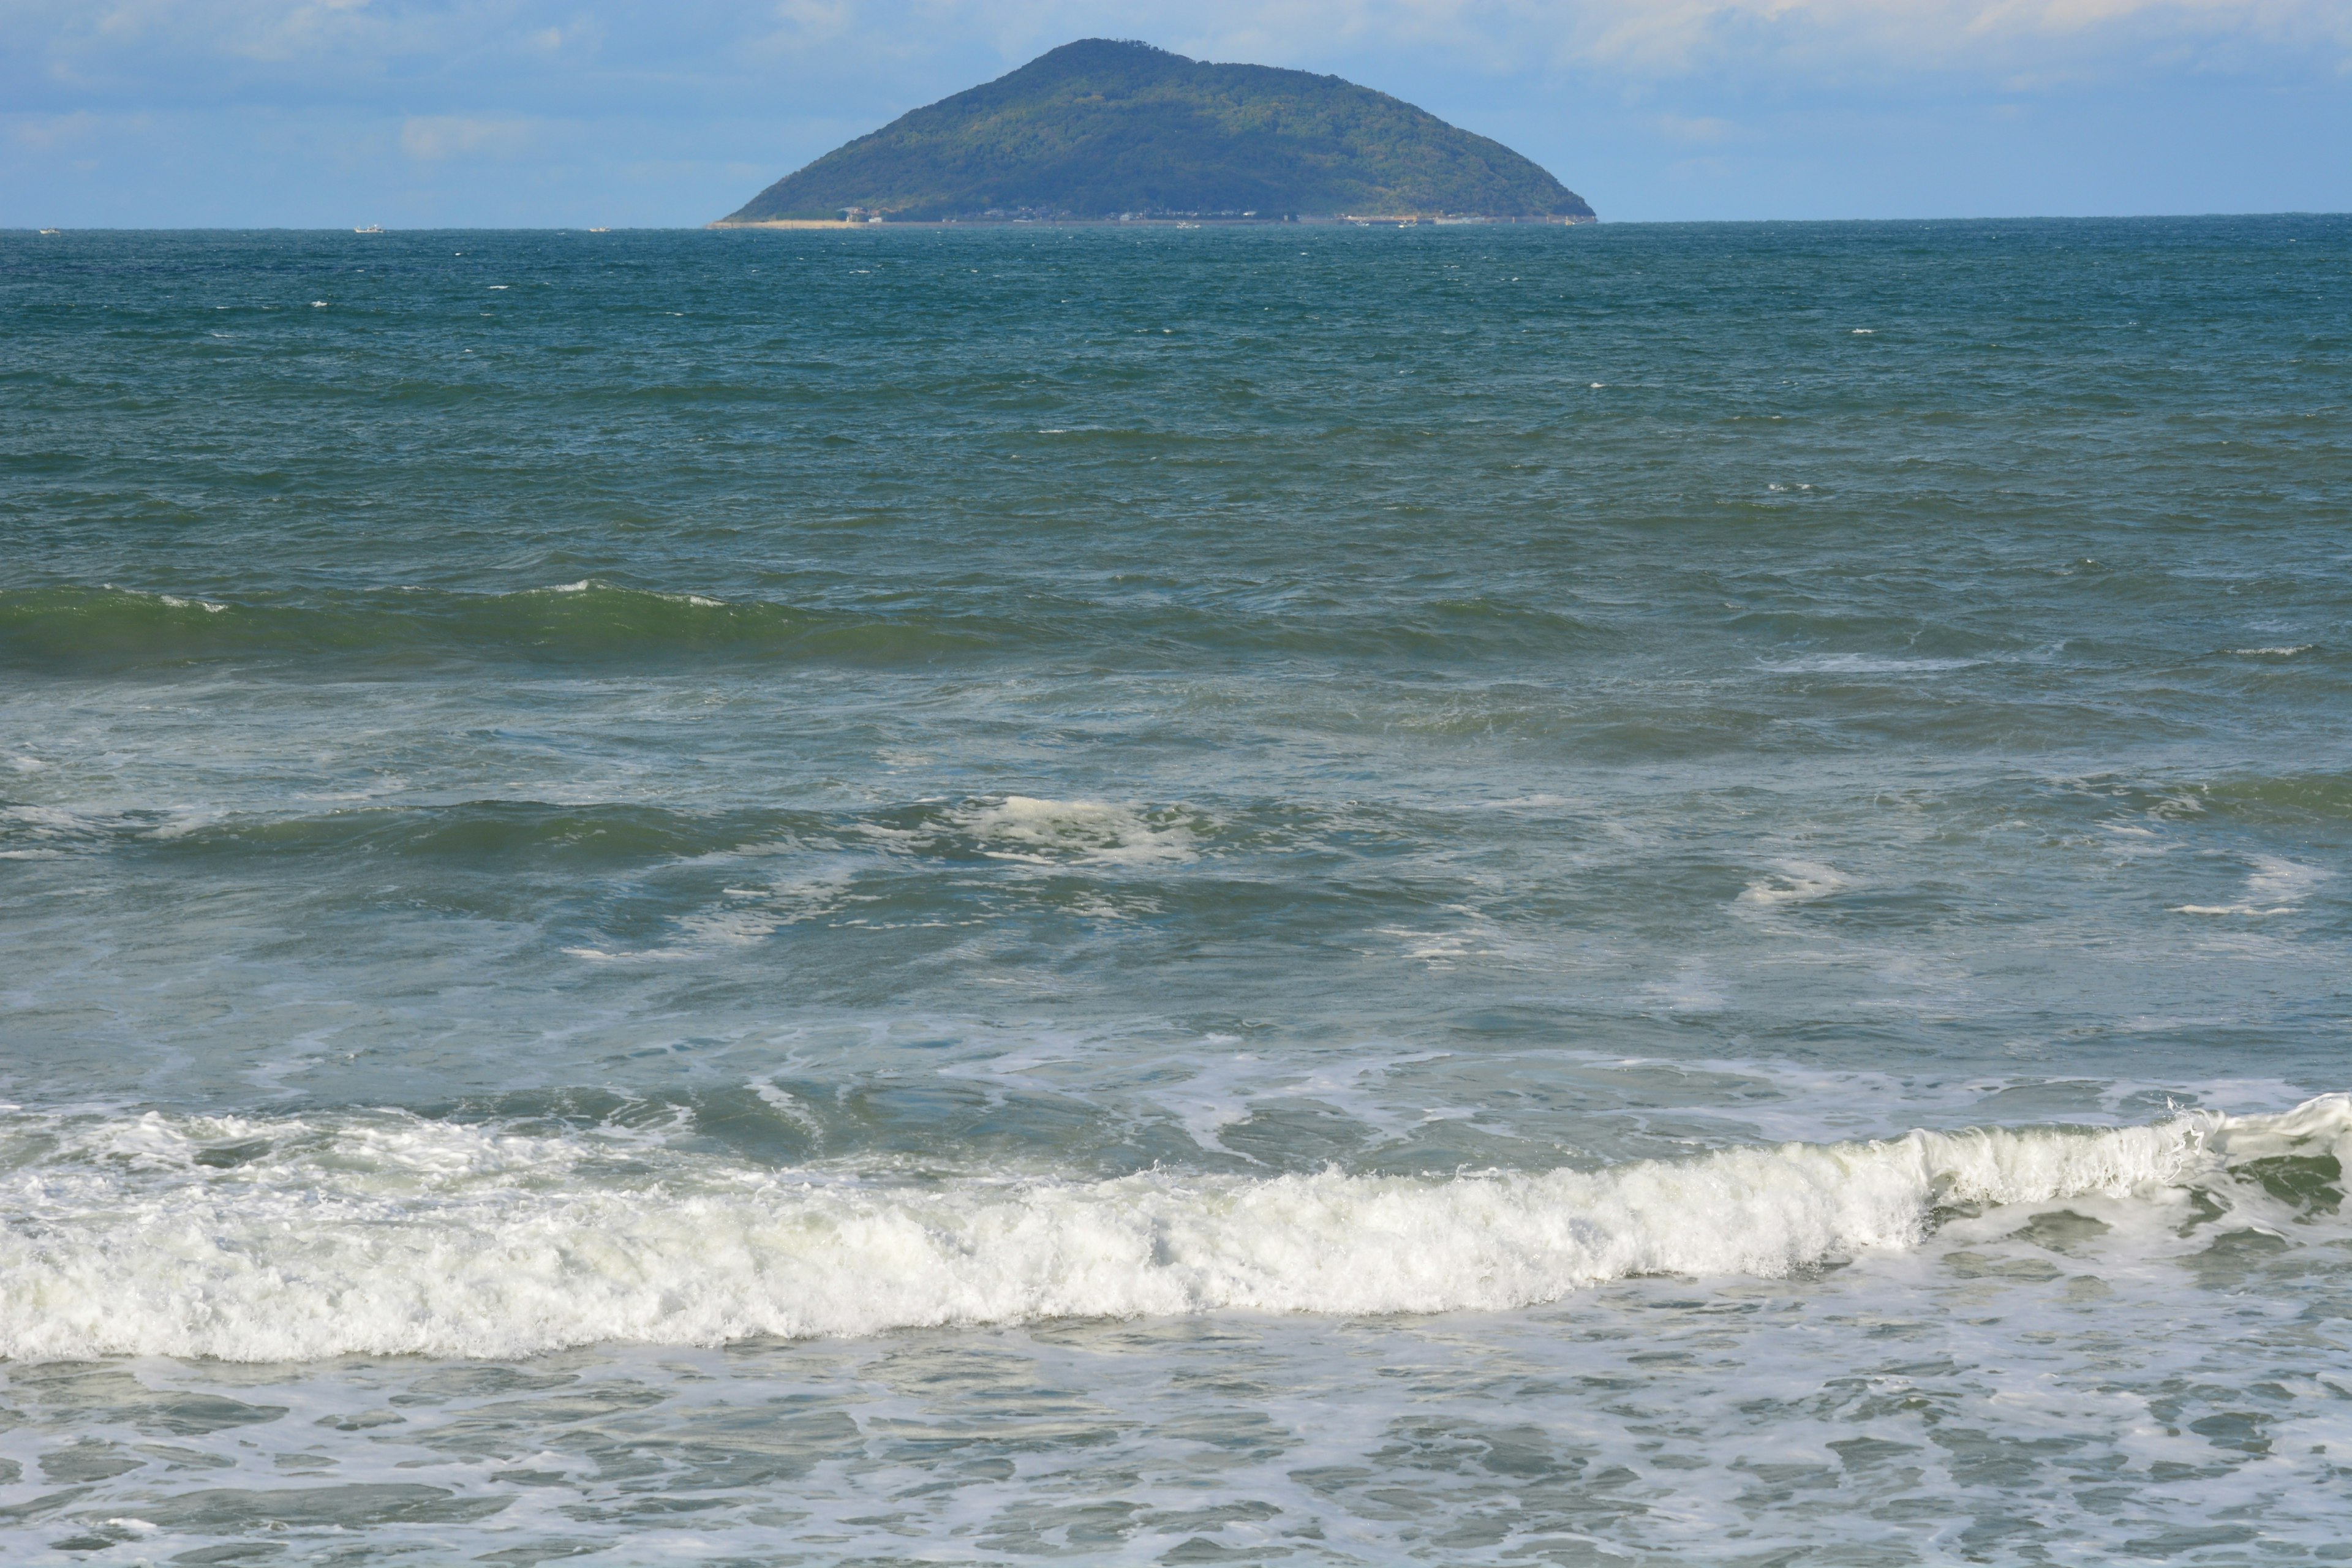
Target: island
x,y
1100,131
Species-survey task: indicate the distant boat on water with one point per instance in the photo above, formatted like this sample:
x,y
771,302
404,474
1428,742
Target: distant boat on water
x,y
371,228
52,231
600,231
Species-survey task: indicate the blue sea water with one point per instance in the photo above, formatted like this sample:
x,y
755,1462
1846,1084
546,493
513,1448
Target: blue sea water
x,y
1651,895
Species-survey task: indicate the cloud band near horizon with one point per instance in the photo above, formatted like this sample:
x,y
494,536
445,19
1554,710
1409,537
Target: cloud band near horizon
x,y
574,110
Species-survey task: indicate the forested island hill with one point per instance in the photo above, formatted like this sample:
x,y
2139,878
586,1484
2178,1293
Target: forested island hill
x,y
1099,130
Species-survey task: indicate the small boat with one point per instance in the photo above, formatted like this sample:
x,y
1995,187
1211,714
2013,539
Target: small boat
x,y
371,228
52,231
600,231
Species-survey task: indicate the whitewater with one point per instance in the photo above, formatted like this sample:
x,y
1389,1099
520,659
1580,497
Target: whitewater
x,y
396,1236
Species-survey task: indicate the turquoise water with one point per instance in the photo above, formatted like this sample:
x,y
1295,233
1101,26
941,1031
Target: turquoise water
x,y
1631,894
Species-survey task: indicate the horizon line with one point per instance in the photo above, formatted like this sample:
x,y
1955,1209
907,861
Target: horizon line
x,y
59,229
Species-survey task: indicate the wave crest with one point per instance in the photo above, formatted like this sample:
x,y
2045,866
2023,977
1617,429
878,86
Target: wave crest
x,y
263,1239
587,619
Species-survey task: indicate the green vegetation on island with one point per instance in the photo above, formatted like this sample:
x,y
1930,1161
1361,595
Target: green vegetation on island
x,y
1101,130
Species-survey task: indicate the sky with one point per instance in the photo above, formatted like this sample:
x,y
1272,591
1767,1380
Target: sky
x,y
495,113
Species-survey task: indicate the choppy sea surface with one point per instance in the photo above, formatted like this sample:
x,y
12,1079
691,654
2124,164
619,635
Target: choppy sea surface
x,y
1647,895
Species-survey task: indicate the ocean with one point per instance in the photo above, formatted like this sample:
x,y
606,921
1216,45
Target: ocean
x,y
1662,895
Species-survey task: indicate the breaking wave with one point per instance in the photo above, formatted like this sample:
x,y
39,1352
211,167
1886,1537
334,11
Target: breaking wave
x,y
264,1239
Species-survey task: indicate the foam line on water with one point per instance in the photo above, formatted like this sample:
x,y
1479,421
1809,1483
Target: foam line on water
x,y
294,1239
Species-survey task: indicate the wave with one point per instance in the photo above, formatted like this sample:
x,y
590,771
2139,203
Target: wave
x,y
591,620
292,1239
1061,832
2291,799
582,620
482,834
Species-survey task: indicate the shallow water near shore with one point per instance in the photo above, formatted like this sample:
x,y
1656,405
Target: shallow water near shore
x,y
1631,894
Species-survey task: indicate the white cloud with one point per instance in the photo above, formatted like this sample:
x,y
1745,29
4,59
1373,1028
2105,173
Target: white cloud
x,y
817,20
1668,37
434,137
1702,128
85,40
55,133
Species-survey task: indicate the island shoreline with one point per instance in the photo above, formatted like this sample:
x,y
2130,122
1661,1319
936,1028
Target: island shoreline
x,y
1343,220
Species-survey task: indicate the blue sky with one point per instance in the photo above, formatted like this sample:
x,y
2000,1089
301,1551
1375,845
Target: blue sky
x,y
522,112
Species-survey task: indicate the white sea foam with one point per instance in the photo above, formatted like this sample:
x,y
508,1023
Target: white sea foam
x,y
1865,663
257,1239
1797,882
2274,886
1055,832
2279,881
49,832
1692,990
